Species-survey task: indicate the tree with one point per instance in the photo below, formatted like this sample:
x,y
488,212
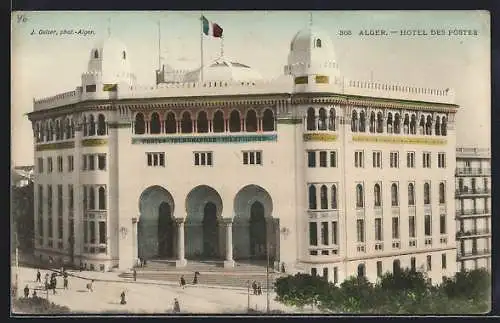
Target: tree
x,y
22,210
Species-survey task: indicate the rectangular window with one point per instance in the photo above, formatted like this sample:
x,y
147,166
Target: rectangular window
x,y
60,228
92,231
333,159
378,229
334,233
410,159
102,232
314,272
59,164
40,165
71,225
411,224
359,161
413,264
360,228
91,162
428,226
71,163
85,231
313,233
324,233
322,158
49,165
156,159
394,159
442,224
395,227
252,158
379,268
426,160
245,158
443,261
441,160
377,159
84,162
203,159
101,161
150,159
162,159
51,229
71,201
40,210
335,275
311,159
429,263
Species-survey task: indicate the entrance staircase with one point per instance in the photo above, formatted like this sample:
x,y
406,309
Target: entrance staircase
x,y
211,273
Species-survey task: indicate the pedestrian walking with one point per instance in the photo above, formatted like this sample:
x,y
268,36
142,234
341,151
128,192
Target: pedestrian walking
x,y
122,298
90,286
26,291
34,294
259,289
65,281
195,278
38,276
46,281
183,282
177,307
53,284
134,273
254,287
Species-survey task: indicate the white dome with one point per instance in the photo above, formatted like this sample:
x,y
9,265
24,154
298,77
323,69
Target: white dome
x,y
224,70
303,40
110,58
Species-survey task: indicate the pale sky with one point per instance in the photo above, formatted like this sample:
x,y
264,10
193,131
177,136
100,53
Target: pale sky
x,y
45,65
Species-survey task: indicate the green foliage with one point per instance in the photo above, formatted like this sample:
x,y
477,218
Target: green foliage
x,y
37,305
22,210
404,292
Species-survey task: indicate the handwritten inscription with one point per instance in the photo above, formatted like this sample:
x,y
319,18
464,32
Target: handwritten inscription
x,y
62,32
409,32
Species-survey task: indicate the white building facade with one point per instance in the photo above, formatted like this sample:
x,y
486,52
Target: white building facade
x,y
330,176
473,205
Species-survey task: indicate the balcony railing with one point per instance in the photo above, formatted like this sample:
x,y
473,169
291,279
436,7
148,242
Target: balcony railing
x,y
469,233
473,172
481,252
477,191
472,212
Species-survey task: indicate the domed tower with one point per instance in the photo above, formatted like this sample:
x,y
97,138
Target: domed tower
x,y
108,65
312,62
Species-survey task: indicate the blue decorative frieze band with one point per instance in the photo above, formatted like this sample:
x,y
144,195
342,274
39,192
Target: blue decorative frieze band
x,y
205,139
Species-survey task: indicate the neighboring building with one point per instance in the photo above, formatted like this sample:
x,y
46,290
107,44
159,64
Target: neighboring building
x,y
473,205
335,177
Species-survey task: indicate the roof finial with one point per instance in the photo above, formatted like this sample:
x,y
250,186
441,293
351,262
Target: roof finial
x,y
310,18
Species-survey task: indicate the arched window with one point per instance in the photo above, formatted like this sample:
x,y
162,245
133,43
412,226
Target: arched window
x,y
171,123
361,270
251,121
394,195
354,121
218,121
58,129
411,194
51,132
91,125
186,123
334,197
443,126
389,122
91,198
102,198
442,198
312,197
96,54
427,193
124,55
202,122
461,184
359,196
422,126
397,123
332,120
139,125
311,119
373,122
67,125
380,122
413,125
437,129
428,126
39,130
318,43
362,121
322,119
154,123
268,120
323,192
72,128
406,125
234,121
377,195
396,267
101,125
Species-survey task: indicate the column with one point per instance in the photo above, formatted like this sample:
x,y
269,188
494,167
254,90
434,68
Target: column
x,y
228,224
181,261
210,126
259,124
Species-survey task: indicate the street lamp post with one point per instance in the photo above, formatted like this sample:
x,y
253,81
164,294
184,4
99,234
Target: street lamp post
x,y
248,296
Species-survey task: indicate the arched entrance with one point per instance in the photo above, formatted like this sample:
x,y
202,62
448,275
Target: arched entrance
x,y
156,230
204,238
166,231
258,232
210,231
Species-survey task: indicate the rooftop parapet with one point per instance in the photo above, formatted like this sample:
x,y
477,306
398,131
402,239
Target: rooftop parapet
x,y
468,152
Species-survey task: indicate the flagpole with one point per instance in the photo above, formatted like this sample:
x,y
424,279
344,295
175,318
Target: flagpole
x,y
222,47
201,47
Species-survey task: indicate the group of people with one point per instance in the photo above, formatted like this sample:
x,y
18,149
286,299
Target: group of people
x,y
195,279
257,288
